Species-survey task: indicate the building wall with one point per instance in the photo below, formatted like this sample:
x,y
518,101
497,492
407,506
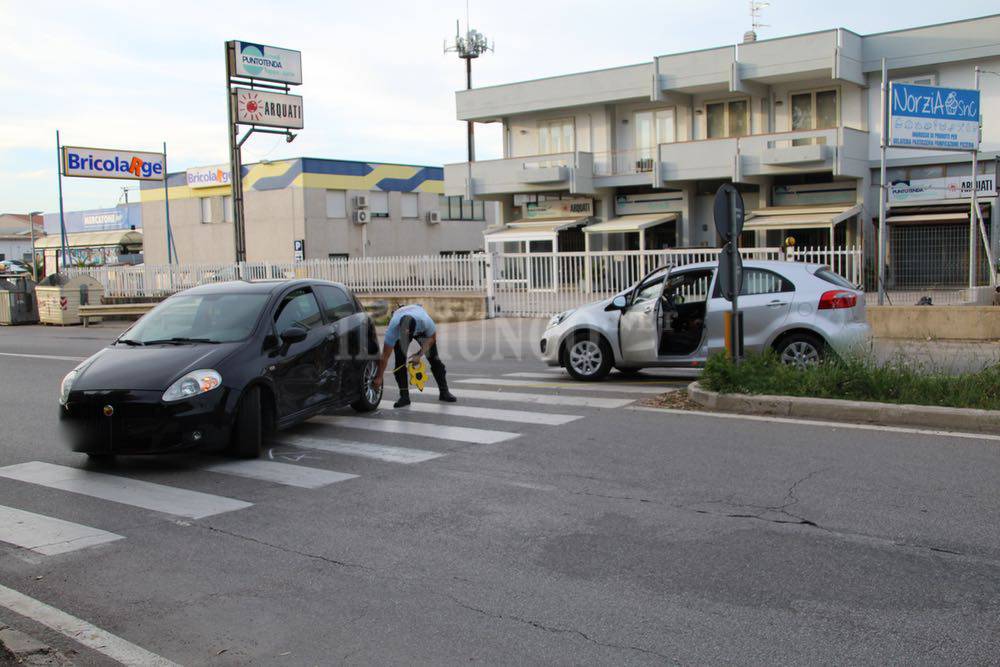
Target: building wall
x,y
286,200
15,249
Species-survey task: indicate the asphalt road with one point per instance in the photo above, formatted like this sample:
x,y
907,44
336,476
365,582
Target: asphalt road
x,y
622,537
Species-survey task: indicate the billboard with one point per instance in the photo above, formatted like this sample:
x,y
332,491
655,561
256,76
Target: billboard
x,y
931,117
112,163
209,177
949,187
559,208
267,63
258,107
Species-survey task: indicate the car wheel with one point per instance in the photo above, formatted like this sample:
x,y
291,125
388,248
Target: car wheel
x,y
801,350
587,358
248,433
370,395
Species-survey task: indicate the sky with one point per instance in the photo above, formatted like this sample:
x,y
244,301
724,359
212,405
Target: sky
x,y
376,85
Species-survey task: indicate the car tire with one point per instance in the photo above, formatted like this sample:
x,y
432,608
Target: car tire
x,y
587,357
248,430
370,396
801,350
99,460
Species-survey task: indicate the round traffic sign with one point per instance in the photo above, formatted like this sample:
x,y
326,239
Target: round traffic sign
x,y
729,211
730,272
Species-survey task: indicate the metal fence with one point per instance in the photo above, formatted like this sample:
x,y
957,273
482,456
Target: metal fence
x,y
518,284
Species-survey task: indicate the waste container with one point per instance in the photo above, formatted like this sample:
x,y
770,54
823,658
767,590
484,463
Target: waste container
x,y
60,298
17,300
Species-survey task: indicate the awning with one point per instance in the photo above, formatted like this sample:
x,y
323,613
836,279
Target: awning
x,y
799,217
630,223
928,219
127,237
532,230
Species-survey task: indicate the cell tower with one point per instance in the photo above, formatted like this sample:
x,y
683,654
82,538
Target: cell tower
x,y
468,47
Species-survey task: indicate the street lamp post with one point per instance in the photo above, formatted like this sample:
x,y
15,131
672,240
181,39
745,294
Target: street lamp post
x,y
472,45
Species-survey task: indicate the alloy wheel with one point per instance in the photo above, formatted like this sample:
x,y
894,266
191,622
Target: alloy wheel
x,y
800,354
585,357
372,394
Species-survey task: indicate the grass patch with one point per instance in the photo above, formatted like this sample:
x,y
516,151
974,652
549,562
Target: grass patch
x,y
856,379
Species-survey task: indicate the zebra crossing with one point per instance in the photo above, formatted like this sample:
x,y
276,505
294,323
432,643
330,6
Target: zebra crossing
x,y
430,429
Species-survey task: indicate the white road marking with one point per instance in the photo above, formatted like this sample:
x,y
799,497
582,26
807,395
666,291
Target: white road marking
x,y
544,373
640,381
156,497
820,422
545,399
47,535
476,412
607,387
458,433
280,473
80,631
364,449
41,356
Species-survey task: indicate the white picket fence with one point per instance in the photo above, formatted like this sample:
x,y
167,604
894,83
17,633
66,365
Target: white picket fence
x,y
517,284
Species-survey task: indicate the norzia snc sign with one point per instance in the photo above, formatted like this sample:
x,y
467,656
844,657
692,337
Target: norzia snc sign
x,y
933,117
267,63
112,163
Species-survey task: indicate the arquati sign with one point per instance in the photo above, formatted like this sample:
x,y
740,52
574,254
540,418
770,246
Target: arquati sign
x,y
266,63
950,187
559,208
258,107
209,177
933,118
111,163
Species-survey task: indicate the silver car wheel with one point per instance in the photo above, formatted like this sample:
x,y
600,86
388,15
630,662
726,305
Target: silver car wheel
x,y
800,354
372,394
585,357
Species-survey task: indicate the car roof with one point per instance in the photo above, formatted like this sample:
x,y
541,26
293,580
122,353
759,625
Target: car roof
x,y
774,265
256,286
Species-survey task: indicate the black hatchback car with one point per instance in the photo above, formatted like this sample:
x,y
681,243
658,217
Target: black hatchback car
x,y
220,366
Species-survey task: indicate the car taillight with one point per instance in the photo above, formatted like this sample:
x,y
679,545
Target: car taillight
x,y
837,299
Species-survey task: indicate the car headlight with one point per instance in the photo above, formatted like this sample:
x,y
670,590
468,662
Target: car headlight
x,y
67,385
559,319
192,384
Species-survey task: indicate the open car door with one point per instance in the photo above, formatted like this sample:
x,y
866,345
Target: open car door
x,y
639,328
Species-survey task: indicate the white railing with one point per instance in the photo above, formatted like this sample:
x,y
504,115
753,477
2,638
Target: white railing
x,y
432,273
847,262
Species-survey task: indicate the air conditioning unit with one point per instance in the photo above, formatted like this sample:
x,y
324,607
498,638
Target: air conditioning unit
x,y
362,217
361,201
433,217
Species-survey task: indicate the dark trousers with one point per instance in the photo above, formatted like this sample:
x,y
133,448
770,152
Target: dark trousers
x,y
406,329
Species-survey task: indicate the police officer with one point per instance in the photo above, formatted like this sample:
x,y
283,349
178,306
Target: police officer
x,y
406,324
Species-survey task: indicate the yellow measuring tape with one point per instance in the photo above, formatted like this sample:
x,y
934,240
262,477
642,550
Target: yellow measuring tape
x,y
418,373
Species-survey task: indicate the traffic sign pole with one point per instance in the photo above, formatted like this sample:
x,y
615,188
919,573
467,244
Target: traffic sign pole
x,y
729,214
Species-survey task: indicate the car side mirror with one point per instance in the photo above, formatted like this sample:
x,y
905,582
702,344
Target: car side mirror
x,y
293,334
618,303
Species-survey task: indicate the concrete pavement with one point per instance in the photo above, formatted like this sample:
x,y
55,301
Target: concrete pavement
x,y
621,536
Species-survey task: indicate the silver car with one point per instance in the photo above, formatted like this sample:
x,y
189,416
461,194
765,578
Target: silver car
x,y
675,317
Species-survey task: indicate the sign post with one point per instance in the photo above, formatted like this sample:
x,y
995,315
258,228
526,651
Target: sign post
x,y
259,70
62,217
729,213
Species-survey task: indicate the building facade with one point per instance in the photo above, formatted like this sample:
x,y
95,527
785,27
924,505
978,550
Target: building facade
x,y
308,208
94,237
15,235
795,122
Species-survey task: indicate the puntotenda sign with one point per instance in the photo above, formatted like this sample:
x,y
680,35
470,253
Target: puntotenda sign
x,y
933,117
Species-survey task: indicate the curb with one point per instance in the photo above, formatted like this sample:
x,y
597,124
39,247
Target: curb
x,y
892,414
20,649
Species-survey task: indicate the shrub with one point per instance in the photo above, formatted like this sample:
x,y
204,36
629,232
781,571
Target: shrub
x,y
858,379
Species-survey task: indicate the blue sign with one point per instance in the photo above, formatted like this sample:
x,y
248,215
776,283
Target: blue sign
x,y
98,220
933,117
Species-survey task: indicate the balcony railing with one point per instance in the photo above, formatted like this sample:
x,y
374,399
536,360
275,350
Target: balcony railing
x,y
625,162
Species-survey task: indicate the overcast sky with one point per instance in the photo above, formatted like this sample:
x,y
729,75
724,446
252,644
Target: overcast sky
x,y
377,86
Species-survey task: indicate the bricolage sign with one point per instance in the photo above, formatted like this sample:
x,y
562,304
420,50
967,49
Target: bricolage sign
x,y
112,163
933,117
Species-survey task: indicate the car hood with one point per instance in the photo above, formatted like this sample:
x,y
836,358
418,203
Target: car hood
x,y
147,368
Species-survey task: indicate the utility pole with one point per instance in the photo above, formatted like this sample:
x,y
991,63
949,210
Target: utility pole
x,y
31,228
472,45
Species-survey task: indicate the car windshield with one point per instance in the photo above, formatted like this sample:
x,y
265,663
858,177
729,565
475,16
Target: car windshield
x,y
209,318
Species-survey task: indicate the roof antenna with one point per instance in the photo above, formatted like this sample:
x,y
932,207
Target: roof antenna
x,y
756,6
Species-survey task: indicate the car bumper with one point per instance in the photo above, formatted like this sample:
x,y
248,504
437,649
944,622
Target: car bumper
x,y
853,338
548,346
141,423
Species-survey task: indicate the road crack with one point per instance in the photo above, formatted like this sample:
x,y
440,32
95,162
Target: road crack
x,y
553,629
304,554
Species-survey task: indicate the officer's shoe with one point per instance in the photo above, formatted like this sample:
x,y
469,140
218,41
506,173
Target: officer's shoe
x,y
404,400
447,397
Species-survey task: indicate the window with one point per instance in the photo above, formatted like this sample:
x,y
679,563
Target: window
x,y
227,208
760,281
459,208
555,136
692,285
336,204
727,119
378,204
410,205
918,80
297,308
833,278
336,302
816,110
652,128
206,209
